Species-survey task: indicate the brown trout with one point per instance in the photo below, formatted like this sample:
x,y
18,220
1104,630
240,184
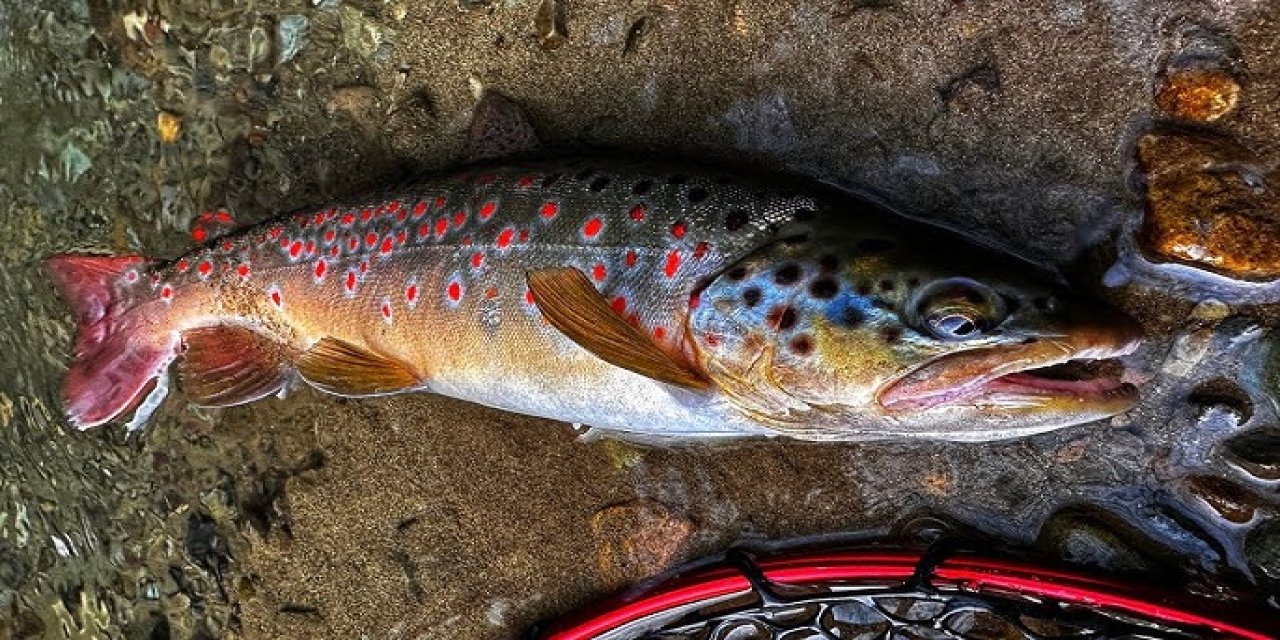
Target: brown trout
x,y
635,297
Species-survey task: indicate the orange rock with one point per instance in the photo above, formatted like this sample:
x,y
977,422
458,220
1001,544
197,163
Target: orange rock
x,y
1205,208
637,539
169,126
1202,95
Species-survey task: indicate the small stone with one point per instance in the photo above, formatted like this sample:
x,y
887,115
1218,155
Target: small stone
x,y
1262,548
637,539
291,36
1187,352
169,126
1208,206
1210,310
1229,500
1197,94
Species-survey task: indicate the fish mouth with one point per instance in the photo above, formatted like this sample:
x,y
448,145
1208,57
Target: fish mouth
x,y
1077,373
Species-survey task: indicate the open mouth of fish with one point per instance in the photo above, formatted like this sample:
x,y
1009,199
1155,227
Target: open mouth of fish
x,y
1036,373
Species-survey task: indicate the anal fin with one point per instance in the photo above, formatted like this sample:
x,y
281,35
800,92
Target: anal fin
x,y
569,301
223,366
337,366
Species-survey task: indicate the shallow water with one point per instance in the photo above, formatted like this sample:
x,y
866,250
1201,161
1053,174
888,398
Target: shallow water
x,y
423,516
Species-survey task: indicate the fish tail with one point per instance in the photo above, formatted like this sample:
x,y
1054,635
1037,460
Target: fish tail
x,y
117,354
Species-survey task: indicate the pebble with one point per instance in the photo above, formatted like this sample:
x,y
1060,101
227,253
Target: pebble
x,y
1197,94
169,126
637,539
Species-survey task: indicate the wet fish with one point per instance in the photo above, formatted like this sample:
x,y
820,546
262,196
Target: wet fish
x,y
636,297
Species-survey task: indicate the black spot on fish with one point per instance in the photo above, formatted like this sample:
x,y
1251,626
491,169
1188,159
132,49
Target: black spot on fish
x,y
599,183
737,273
886,285
875,245
642,187
787,275
696,195
913,282
849,317
781,318
890,334
751,297
678,179
550,180
736,220
864,289
802,345
824,288
805,214
828,263
585,173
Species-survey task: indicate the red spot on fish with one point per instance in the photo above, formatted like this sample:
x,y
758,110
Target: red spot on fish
x,y
634,320
455,291
311,247
353,243
419,209
678,230
550,210
204,268
351,282
386,309
182,265
631,258
295,249
440,202
199,234
371,238
700,251
424,230
387,244
619,305
598,272
223,217
637,213
243,270
132,276
227,246
659,333
504,238
487,210
364,266
365,214
524,235
393,206
459,219
477,259
525,181
319,217
166,292
334,250
276,298
487,178
466,241
712,340
274,232
411,293
528,297
592,228
491,293
348,219
402,237
321,266
442,227
695,300
330,236
284,242
673,263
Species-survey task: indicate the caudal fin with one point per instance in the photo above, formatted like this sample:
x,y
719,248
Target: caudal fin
x,y
116,360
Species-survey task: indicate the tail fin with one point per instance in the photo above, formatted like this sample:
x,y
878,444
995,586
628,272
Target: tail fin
x,y
115,359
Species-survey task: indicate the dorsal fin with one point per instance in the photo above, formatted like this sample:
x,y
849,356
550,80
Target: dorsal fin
x,y
223,366
337,366
571,304
499,128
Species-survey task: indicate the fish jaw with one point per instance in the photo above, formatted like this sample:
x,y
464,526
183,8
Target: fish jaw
x,y
1011,377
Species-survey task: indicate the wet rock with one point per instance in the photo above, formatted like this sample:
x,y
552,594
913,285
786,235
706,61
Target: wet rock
x,y
982,624
1262,548
1198,94
1208,206
168,126
1228,499
1257,453
1187,352
1210,311
848,620
637,539
742,630
1092,537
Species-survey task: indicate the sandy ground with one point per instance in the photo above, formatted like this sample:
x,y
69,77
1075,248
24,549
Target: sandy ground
x,y
427,517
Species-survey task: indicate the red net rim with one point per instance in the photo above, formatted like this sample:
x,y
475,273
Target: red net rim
x,y
970,573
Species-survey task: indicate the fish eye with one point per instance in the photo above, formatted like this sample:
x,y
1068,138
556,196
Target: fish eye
x,y
956,309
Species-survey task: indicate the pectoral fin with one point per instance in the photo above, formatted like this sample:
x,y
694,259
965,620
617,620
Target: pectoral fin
x,y
337,366
571,304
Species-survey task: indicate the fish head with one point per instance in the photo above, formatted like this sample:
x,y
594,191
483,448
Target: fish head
x,y
912,330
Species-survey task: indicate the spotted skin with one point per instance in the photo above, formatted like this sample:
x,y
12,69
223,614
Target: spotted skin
x,y
796,304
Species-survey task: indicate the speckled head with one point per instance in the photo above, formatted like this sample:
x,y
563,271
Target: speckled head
x,y
906,330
